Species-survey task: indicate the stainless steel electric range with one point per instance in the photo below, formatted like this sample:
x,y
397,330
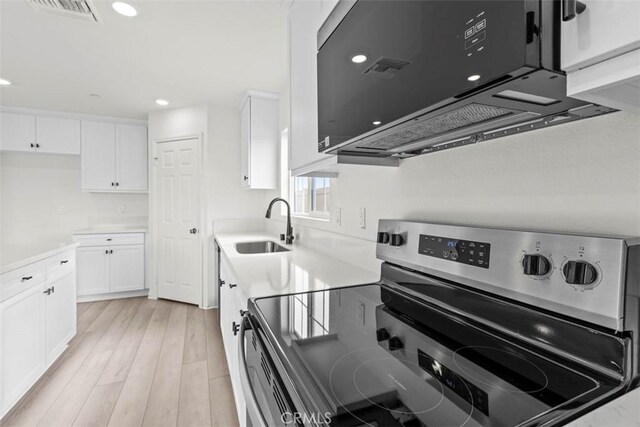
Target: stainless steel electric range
x,y
466,327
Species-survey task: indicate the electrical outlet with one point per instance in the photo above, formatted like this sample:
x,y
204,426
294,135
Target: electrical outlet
x,y
337,212
121,209
362,217
62,210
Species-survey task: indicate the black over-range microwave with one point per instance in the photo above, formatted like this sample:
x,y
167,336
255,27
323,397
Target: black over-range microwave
x,y
401,78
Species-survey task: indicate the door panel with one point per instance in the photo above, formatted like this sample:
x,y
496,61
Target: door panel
x,y
179,251
98,159
588,38
56,135
131,150
93,272
17,132
22,339
61,315
126,268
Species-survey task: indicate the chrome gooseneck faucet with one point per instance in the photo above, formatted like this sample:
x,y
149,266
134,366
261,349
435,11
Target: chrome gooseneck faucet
x,y
289,235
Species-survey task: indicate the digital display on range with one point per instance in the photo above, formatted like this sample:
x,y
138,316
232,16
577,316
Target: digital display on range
x,y
463,251
469,392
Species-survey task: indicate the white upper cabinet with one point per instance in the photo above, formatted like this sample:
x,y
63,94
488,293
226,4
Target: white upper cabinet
x,y
601,53
56,135
305,18
114,157
131,152
259,135
98,156
17,132
42,134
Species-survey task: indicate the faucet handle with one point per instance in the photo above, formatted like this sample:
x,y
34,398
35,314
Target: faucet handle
x,y
282,237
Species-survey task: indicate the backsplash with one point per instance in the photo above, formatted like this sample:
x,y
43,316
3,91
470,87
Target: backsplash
x,y
41,200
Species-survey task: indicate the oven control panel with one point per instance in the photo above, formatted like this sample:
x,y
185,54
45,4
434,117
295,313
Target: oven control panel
x,y
573,275
455,250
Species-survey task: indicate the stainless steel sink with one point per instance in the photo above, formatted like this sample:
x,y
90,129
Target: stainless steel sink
x,y
259,247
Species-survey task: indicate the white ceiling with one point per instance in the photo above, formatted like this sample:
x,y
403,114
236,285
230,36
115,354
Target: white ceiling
x,y
188,52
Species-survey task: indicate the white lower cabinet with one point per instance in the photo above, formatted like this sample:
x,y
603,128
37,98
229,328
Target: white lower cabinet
x,y
37,320
110,264
231,302
23,338
60,309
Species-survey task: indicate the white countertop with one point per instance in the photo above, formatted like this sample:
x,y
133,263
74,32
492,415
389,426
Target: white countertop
x,y
621,412
18,256
113,228
299,270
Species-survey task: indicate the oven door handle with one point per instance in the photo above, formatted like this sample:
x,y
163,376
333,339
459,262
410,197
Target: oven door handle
x,y
253,409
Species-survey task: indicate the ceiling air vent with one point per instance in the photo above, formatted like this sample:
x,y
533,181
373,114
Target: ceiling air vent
x,y
83,10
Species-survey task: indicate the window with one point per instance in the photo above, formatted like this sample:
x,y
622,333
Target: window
x,y
311,196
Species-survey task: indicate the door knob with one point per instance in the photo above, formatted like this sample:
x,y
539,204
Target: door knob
x,y
193,231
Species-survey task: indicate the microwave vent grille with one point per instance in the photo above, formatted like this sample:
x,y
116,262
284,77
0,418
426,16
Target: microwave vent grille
x,y
386,68
468,115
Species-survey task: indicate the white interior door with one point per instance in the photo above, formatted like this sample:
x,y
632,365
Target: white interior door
x,y
179,244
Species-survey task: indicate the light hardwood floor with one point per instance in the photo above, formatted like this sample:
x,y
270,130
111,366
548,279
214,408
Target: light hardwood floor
x,y
135,362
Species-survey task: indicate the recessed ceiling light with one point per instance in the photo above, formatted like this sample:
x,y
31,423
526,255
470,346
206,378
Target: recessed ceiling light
x,y
377,122
359,58
124,8
162,102
473,77
4,82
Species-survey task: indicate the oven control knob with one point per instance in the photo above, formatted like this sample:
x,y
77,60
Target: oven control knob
x,y
396,240
383,237
535,265
382,335
395,343
579,273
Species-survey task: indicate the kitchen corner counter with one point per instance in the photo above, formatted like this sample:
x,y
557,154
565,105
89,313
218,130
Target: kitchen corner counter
x,y
299,270
18,256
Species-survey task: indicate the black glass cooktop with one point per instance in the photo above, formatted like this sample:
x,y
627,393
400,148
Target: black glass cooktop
x,y
372,356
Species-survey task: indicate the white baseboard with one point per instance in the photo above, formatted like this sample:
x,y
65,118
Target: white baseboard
x,y
115,295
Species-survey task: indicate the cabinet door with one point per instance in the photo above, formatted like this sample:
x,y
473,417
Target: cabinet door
x,y
22,344
55,135
98,156
605,29
263,143
304,21
126,267
92,264
17,132
60,315
131,155
245,137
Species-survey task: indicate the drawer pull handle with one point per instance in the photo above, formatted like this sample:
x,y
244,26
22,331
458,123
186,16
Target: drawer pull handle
x,y
53,289
232,285
108,240
243,312
235,327
24,279
64,261
48,291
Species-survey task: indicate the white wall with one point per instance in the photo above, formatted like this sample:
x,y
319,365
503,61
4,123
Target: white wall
x,y
37,187
581,177
223,197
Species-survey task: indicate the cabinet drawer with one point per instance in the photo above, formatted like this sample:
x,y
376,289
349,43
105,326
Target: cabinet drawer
x,y
21,279
60,265
110,239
